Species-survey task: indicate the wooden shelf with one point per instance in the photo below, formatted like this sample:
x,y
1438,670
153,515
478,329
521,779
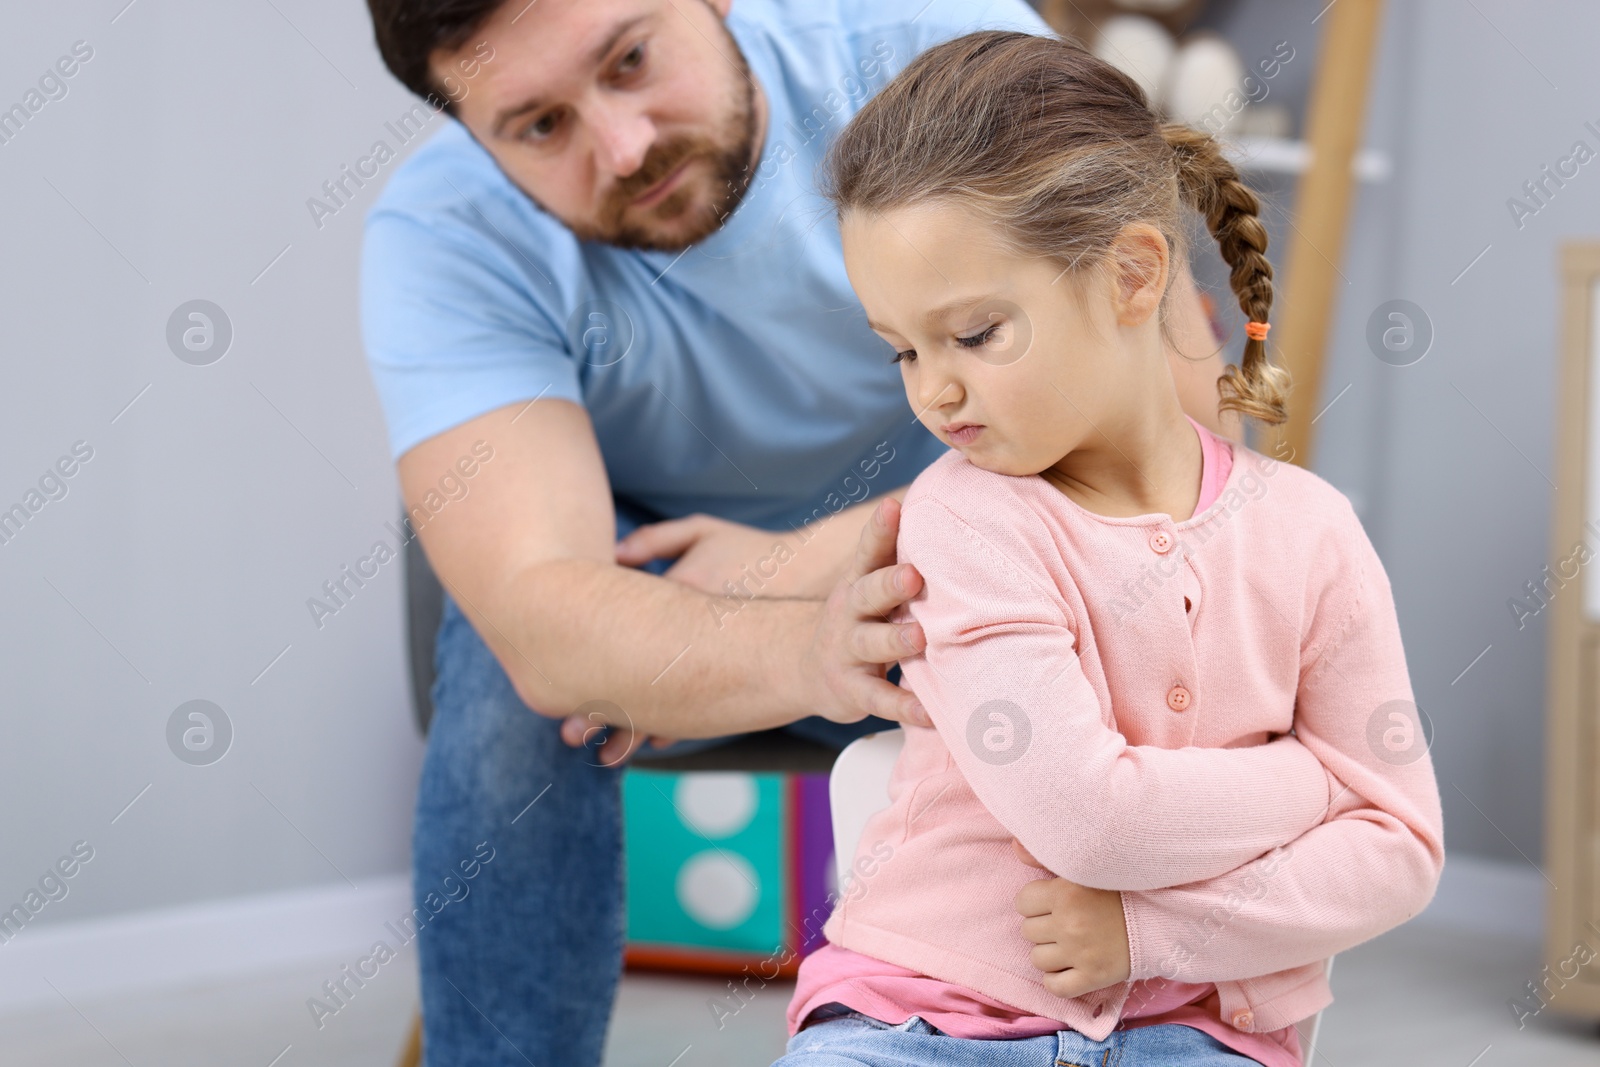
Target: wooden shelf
x,y
1278,155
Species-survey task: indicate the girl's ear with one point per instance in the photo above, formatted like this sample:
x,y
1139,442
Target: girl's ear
x,y
1141,258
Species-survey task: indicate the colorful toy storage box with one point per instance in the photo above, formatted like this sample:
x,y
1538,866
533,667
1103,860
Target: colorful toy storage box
x,y
726,870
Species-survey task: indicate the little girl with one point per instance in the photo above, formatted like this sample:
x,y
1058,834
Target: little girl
x,y
1125,614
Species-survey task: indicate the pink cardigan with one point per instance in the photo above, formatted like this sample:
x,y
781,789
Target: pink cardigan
x,y
1050,629
894,994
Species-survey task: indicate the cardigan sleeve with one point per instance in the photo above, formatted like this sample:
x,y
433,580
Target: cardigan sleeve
x,y
1001,679
1374,863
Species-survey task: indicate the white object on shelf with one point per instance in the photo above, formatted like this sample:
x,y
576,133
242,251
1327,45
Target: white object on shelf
x,y
1202,78
1139,47
1279,156
1263,120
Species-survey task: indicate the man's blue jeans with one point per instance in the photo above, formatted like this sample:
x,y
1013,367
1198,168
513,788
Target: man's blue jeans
x,y
523,967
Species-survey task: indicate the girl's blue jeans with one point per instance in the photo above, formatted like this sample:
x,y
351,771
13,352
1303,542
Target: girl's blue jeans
x,y
520,960
850,1039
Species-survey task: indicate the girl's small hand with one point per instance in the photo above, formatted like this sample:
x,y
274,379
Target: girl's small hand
x,y
1079,935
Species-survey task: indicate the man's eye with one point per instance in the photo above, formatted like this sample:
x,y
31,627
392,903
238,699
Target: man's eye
x,y
541,128
633,59
908,356
978,339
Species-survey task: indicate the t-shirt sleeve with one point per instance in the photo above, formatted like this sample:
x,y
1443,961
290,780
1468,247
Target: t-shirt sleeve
x,y
453,326
942,20
897,31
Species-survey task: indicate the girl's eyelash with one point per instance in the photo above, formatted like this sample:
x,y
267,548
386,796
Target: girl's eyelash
x,y
978,338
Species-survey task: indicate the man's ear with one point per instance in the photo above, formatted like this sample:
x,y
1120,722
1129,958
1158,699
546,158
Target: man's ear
x,y
1141,259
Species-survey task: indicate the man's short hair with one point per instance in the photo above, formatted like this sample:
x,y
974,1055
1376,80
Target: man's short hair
x,y
409,32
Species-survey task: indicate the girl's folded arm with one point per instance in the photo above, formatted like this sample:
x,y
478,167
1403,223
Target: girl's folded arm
x,y
1003,684
1372,865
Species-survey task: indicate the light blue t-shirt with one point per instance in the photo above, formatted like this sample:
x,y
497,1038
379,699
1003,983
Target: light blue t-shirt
x,y
736,378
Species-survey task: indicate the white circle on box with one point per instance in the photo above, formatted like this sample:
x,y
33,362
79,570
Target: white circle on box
x,y
719,890
716,804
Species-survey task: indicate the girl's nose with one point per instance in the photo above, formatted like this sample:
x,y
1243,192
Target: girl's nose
x,y
937,390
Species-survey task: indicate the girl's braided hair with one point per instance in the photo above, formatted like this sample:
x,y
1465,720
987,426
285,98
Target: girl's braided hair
x,y
1058,150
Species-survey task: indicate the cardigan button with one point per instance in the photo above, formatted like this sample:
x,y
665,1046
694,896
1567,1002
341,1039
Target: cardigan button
x,y
1243,1020
1178,698
1160,541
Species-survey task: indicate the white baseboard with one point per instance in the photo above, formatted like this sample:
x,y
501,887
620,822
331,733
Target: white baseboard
x,y
198,942
248,935
1485,896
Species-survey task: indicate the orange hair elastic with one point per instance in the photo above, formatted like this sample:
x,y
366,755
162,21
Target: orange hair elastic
x,y
1257,331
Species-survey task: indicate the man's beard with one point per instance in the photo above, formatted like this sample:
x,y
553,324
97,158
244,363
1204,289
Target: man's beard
x,y
732,169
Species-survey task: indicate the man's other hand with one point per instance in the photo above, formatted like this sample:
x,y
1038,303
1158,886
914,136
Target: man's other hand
x,y
620,744
724,558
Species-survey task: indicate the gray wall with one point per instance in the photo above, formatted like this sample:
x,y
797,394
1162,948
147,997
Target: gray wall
x,y
1450,460
178,564
1460,447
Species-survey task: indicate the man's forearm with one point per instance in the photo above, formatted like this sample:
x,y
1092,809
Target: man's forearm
x,y
573,631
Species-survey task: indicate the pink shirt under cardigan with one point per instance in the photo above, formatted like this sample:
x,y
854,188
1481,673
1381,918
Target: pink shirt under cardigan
x,y
1290,613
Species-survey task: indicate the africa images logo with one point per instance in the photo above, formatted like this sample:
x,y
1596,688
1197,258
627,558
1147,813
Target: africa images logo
x,y
998,732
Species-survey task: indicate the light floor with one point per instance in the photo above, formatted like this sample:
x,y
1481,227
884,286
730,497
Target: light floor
x,y
1416,998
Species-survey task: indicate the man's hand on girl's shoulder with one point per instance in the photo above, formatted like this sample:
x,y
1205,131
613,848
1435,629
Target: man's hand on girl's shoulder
x,y
841,673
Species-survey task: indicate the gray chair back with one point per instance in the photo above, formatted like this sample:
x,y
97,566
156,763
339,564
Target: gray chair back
x,y
767,750
424,609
